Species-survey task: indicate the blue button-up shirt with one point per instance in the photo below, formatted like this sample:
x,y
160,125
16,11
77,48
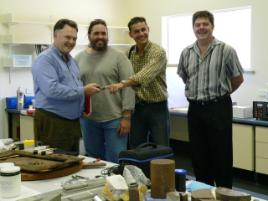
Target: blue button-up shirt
x,y
57,85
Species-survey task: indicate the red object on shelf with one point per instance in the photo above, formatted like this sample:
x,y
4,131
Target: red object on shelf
x,y
30,112
87,109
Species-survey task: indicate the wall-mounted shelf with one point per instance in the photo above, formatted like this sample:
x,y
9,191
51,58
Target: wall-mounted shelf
x,y
25,32
22,36
16,68
118,35
34,32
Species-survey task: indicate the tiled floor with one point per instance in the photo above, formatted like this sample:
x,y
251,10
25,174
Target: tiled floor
x,y
256,185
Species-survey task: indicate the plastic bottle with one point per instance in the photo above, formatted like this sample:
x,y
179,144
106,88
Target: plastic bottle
x,y
10,181
20,99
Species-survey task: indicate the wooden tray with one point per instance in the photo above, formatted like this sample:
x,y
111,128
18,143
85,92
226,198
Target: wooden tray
x,y
37,167
30,176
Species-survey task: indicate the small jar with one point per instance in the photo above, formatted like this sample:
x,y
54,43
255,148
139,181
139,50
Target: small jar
x,y
10,181
6,164
133,192
180,179
28,144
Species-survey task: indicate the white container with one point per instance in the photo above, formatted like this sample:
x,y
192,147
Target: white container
x,y
242,111
6,164
10,181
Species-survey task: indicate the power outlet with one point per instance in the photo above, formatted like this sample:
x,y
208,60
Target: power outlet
x,y
262,93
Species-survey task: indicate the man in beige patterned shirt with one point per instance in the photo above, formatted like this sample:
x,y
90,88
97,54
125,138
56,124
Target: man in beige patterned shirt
x,y
150,120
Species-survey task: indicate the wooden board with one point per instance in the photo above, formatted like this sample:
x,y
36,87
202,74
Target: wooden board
x,y
39,167
36,163
30,176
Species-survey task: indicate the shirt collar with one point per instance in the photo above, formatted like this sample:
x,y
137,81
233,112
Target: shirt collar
x,y
57,51
212,44
146,48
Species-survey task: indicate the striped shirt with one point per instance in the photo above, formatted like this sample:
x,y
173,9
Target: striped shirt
x,y
208,77
150,73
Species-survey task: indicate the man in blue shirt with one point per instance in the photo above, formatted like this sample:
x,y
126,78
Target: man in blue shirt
x,y
59,92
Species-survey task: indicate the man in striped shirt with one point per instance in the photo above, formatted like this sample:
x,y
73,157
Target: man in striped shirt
x,y
151,115
211,71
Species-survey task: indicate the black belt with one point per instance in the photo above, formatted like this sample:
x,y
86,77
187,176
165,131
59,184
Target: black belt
x,y
210,102
150,103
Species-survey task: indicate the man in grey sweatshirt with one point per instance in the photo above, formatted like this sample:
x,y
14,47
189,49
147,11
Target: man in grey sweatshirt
x,y
105,130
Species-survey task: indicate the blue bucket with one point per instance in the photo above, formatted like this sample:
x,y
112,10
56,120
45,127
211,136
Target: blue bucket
x,y
11,102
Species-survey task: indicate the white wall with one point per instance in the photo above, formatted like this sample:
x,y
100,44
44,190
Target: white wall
x,y
153,10
118,12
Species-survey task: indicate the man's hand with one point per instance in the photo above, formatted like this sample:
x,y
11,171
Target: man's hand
x,y
113,88
124,127
92,88
236,82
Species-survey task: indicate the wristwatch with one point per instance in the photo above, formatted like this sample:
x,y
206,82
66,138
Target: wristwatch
x,y
124,82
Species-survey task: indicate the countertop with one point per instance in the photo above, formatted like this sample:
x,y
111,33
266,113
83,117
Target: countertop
x,y
182,112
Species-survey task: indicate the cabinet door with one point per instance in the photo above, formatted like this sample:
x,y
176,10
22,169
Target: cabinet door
x,y
179,128
26,127
262,150
243,146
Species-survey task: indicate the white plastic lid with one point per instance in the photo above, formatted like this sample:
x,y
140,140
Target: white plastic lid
x,y
6,164
10,169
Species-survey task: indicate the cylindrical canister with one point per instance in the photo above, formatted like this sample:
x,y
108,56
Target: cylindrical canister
x,y
10,181
162,177
180,179
133,192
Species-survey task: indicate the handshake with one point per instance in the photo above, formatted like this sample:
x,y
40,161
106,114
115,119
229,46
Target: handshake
x,y
94,88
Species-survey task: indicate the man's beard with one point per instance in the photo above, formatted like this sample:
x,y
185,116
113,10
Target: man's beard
x,y
94,45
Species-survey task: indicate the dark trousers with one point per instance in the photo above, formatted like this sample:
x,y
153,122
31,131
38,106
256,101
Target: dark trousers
x,y
210,132
57,132
150,122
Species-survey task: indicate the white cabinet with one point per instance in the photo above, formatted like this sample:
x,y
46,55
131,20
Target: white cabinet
x,y
26,127
243,146
179,128
261,149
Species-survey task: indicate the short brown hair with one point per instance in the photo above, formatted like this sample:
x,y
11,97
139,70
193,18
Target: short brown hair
x,y
205,14
135,20
62,22
95,22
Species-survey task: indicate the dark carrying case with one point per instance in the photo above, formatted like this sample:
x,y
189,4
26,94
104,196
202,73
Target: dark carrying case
x,y
143,154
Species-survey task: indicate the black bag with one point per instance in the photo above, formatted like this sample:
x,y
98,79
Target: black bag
x,y
143,154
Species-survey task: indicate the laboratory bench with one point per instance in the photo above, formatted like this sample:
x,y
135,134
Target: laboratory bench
x,y
250,140
250,137
42,188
